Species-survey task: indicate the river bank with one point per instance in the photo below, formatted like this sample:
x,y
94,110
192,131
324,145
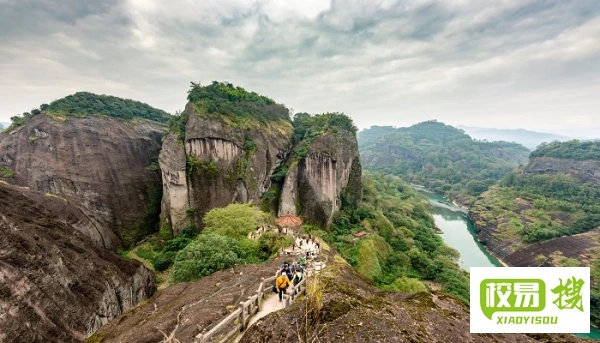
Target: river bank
x,y
458,230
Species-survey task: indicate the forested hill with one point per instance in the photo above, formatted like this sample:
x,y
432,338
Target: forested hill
x,y
83,104
439,157
547,212
573,149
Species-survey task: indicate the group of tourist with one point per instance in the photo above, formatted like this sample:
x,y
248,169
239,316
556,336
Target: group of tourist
x,y
289,275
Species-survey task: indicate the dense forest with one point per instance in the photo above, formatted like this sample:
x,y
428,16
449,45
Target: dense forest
x,y
573,149
401,250
83,104
439,157
235,103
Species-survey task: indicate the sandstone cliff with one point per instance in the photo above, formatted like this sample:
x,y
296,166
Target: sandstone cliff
x,y
230,145
316,185
100,164
219,162
55,285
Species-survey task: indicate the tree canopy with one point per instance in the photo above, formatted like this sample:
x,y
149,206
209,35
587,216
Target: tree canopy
x,y
402,247
84,104
573,149
223,98
440,157
235,220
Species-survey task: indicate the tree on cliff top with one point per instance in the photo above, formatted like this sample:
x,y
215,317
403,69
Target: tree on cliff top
x,y
308,126
83,104
226,99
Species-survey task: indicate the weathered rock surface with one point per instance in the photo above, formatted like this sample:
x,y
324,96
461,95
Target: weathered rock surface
x,y
187,308
355,311
175,201
226,163
583,247
330,171
55,285
99,163
584,171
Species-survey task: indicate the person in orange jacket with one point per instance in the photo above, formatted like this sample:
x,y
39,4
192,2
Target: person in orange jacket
x,y
282,284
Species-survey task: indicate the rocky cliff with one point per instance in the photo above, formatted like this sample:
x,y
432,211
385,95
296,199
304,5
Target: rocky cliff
x,y
101,164
230,145
55,285
536,197
582,170
218,163
330,173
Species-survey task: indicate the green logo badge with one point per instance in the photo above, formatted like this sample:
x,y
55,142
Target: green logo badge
x,y
512,295
569,294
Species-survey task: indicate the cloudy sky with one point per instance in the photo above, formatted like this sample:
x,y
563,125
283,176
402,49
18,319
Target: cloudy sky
x,y
504,64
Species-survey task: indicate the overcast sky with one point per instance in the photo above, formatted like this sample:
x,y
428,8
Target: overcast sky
x,y
504,64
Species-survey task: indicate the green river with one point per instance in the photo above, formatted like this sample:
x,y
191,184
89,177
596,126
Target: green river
x,y
460,235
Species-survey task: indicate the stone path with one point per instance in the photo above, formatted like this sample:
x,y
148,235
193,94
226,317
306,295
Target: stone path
x,y
272,303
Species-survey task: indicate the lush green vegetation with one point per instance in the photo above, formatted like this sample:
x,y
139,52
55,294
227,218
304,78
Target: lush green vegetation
x,y
238,106
440,157
84,104
540,207
401,247
595,292
6,172
574,149
223,243
235,221
205,255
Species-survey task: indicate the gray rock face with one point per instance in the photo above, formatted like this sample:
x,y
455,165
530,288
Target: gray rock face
x,y
584,171
175,201
225,164
55,285
229,163
99,163
289,192
330,171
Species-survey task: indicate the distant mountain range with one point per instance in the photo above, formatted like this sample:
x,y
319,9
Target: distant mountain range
x,y
3,125
530,139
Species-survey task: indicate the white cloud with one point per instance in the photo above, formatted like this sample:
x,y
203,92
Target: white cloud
x,y
500,63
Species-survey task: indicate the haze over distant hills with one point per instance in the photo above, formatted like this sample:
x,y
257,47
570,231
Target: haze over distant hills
x,y
3,125
528,138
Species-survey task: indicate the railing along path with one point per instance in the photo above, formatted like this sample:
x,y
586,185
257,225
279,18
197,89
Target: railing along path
x,y
238,320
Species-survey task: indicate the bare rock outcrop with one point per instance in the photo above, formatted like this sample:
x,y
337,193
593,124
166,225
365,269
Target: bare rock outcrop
x,y
101,164
582,170
330,173
218,163
55,284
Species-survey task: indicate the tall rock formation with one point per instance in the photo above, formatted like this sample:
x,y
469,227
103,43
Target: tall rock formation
x,y
236,146
103,165
329,173
55,285
231,147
